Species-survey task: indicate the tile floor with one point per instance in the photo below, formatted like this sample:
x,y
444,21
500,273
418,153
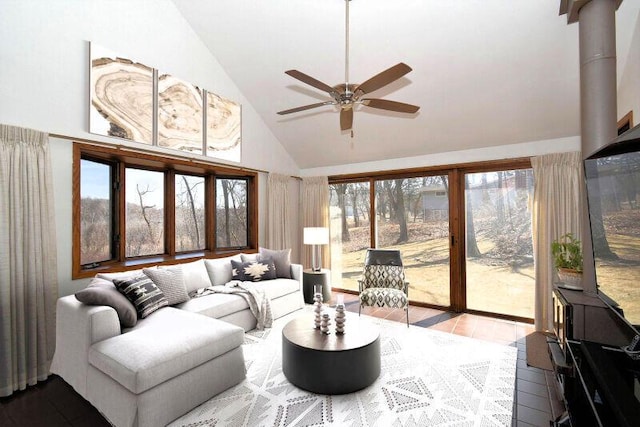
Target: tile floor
x,y
55,403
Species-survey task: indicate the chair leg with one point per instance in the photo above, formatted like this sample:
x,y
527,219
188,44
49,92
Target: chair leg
x,y
407,316
359,307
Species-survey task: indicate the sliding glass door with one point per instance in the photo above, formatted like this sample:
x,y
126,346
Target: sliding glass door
x,y
464,234
350,232
412,215
499,249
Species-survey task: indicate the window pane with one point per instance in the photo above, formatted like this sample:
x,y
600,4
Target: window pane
x,y
350,232
412,215
231,213
95,212
144,213
189,213
500,274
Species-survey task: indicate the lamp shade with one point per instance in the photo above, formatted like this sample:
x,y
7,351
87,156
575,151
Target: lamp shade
x,y
316,236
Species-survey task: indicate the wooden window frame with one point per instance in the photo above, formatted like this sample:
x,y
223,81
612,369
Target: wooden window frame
x,y
120,159
625,123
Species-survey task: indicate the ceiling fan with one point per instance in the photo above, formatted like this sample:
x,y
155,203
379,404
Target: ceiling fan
x,y
347,95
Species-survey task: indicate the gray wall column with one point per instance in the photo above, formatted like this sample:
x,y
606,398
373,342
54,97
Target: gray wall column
x,y
598,92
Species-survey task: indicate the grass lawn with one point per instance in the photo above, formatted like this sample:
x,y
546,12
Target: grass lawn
x,y
496,288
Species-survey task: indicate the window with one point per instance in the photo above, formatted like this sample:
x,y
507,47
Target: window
x,y
96,207
231,212
190,213
133,210
144,217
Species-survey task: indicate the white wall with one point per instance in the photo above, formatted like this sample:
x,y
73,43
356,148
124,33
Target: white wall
x,y
629,84
44,75
512,151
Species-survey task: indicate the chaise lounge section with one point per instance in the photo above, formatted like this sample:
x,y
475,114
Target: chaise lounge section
x,y
171,361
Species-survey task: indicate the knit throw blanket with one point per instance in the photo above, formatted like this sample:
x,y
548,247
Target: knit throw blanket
x,y
259,303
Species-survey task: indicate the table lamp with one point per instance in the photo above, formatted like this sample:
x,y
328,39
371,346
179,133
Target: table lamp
x,y
315,236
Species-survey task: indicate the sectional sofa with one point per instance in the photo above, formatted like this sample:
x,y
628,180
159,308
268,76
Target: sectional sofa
x,y
171,361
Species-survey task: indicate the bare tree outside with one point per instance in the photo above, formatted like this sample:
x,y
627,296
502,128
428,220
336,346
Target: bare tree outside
x,y
231,212
95,212
190,213
500,276
412,215
144,212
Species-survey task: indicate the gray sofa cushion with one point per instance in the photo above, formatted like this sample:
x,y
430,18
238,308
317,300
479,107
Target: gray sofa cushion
x,y
215,305
163,346
104,292
279,287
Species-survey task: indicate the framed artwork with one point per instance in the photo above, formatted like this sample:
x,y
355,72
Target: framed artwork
x,y
121,97
180,115
223,126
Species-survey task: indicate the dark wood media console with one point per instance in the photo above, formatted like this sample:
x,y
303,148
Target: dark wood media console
x,y
599,382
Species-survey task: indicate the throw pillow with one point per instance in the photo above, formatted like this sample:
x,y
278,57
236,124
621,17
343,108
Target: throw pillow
x,y
143,293
253,271
103,292
170,281
282,260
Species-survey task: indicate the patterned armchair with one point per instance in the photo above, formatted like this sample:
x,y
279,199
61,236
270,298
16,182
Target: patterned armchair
x,y
383,282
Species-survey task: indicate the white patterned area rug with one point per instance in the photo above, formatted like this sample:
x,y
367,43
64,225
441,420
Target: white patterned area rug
x,y
428,378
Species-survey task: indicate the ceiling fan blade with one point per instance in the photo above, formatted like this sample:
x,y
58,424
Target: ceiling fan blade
x,y
346,118
384,78
306,107
311,81
385,104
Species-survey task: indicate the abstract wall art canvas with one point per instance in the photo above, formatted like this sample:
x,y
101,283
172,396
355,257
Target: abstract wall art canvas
x,y
180,115
121,96
223,124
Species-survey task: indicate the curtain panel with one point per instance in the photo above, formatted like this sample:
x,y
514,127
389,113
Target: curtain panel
x,y
559,201
28,276
314,201
278,212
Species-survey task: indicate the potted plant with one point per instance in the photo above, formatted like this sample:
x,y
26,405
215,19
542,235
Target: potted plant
x,y
567,257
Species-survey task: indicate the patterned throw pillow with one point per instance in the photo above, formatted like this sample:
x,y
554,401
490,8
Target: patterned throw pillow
x,y
143,293
170,280
253,271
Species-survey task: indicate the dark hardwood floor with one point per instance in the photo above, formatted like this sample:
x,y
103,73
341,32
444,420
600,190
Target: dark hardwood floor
x,y
54,403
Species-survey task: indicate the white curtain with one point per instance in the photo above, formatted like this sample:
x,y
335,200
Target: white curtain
x,y
558,199
278,212
28,277
314,201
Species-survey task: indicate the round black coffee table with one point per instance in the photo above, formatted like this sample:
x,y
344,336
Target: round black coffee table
x,y
331,364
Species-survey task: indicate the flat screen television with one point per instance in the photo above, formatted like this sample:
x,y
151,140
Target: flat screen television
x,y
613,192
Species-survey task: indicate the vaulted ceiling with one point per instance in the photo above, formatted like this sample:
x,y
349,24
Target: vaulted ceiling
x,y
485,73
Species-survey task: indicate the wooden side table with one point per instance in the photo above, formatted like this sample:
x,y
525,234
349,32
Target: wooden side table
x,y
312,278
